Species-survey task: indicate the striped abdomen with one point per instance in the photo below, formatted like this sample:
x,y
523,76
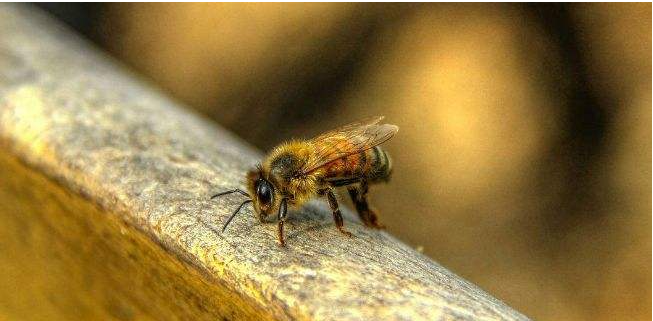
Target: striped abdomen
x,y
372,165
380,166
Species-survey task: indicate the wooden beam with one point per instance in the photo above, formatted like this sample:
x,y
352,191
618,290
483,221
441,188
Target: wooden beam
x,y
105,186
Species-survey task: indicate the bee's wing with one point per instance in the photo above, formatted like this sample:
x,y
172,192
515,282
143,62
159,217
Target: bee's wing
x,y
348,140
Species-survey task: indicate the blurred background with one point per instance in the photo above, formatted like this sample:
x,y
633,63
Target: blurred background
x,y
523,162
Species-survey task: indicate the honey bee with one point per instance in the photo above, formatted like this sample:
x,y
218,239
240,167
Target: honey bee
x,y
298,170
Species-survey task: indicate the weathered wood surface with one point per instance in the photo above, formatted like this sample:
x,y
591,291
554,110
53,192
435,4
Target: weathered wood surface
x,y
105,186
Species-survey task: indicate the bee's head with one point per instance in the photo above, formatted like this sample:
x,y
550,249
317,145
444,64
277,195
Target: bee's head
x,y
263,194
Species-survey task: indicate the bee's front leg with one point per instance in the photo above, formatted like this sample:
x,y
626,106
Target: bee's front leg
x,y
337,216
281,217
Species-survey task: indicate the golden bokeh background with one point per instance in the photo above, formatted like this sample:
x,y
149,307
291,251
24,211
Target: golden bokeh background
x,y
523,160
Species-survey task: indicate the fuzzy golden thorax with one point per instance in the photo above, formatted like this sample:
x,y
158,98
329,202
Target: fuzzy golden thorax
x,y
283,169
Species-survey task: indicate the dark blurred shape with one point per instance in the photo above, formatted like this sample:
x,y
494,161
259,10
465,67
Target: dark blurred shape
x,y
585,118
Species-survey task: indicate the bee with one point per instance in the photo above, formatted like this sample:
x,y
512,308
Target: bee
x,y
298,170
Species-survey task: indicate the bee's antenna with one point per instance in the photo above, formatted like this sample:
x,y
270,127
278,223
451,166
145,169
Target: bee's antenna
x,y
234,214
235,190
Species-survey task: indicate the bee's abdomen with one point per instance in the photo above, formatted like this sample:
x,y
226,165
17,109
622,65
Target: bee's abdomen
x,y
378,165
372,165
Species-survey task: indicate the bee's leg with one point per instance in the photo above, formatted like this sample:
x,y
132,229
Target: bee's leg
x,y
337,216
281,217
366,214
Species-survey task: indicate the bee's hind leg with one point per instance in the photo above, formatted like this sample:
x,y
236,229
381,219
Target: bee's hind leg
x,y
337,216
359,197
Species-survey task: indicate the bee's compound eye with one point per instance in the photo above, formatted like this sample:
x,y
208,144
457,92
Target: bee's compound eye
x,y
264,192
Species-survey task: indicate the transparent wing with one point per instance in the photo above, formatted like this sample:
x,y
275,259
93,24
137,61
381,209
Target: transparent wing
x,y
348,140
